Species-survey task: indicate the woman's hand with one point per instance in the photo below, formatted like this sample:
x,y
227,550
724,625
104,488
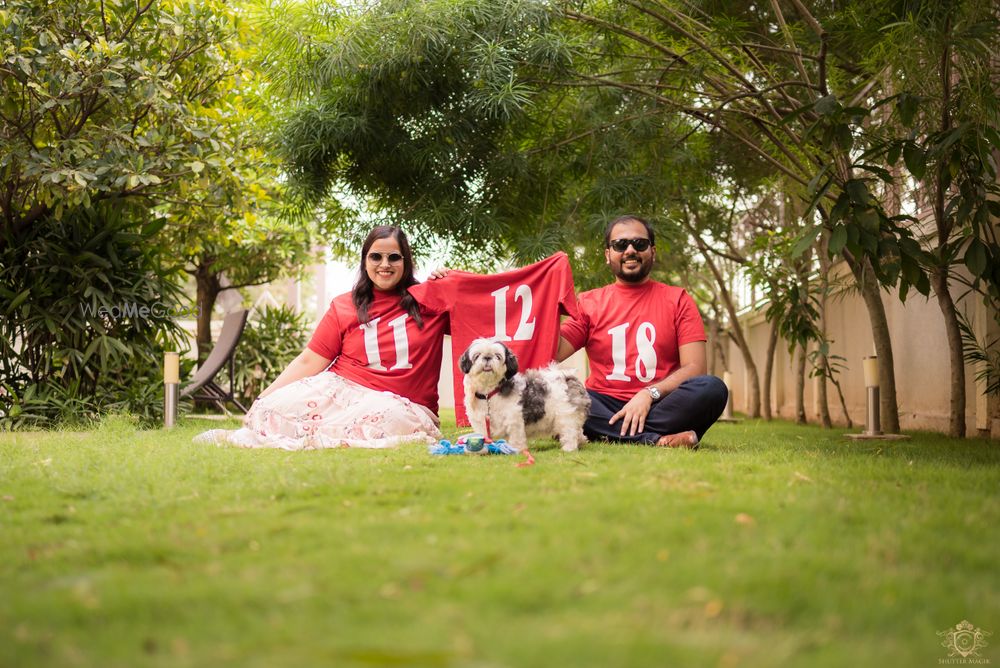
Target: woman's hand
x,y
440,272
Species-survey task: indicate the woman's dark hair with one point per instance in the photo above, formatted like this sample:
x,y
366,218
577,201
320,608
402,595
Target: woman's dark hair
x,y
628,219
364,290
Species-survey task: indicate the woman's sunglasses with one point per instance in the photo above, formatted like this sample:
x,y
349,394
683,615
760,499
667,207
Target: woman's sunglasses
x,y
376,258
621,245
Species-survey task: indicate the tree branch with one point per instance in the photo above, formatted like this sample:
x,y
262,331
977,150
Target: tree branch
x,y
139,11
791,40
704,46
104,20
809,18
705,117
640,38
587,133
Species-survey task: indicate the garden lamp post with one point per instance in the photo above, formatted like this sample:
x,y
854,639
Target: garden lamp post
x,y
873,421
171,381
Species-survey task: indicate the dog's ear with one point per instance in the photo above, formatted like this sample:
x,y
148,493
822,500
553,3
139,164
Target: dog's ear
x,y
510,359
465,362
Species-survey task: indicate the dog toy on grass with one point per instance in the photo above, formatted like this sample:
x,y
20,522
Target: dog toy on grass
x,y
444,447
472,444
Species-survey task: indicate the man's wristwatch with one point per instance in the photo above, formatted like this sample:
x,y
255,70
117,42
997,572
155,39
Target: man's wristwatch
x,y
653,392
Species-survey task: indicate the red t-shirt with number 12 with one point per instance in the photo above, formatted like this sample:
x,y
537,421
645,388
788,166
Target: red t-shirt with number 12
x,y
519,307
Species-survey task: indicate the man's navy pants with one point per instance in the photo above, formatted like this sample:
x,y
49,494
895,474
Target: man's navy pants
x,y
695,405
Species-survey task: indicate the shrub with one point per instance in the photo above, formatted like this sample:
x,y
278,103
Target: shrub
x,y
86,311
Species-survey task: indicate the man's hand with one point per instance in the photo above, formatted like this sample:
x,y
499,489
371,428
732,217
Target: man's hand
x,y
440,272
633,414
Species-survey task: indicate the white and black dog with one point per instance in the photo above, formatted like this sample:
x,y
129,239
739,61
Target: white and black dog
x,y
539,403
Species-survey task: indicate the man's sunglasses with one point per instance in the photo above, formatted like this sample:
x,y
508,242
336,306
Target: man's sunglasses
x,y
376,258
621,245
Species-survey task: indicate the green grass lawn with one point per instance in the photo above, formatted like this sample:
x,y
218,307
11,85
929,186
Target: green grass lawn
x,y
772,545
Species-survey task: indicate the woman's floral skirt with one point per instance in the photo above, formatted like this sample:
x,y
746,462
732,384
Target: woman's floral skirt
x,y
328,411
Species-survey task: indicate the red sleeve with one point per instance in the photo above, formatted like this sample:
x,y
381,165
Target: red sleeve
x,y
438,295
576,330
327,340
690,327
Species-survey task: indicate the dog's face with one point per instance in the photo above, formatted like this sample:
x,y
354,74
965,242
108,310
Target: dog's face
x,y
487,362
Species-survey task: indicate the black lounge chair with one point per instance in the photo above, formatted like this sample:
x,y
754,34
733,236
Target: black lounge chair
x,y
203,386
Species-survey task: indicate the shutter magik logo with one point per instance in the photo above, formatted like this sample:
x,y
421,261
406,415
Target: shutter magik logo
x,y
963,643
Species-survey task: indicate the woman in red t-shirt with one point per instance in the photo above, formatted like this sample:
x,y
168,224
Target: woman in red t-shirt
x,y
368,377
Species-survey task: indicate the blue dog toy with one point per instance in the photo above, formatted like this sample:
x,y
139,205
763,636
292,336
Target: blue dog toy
x,y
472,444
444,447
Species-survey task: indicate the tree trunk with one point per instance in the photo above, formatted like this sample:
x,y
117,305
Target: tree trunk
x,y
802,271
939,274
735,329
821,394
719,348
713,335
956,420
772,345
822,363
208,286
753,381
840,394
800,386
863,274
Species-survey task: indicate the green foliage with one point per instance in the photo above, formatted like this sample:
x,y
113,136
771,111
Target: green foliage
x,y
239,217
944,124
394,110
793,302
273,337
825,364
106,99
983,355
860,227
410,107
87,309
958,162
946,127
147,108
850,204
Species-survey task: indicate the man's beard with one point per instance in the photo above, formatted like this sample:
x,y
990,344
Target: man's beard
x,y
637,275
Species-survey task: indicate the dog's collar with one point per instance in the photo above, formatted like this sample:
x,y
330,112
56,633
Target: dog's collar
x,y
485,397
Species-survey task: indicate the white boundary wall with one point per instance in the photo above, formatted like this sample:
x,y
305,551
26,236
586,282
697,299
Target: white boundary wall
x,y
919,347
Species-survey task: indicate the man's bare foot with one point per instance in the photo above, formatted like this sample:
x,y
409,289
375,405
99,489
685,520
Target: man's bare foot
x,y
685,439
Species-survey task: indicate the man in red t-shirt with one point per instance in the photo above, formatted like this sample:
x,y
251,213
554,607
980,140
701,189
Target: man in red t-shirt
x,y
646,344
